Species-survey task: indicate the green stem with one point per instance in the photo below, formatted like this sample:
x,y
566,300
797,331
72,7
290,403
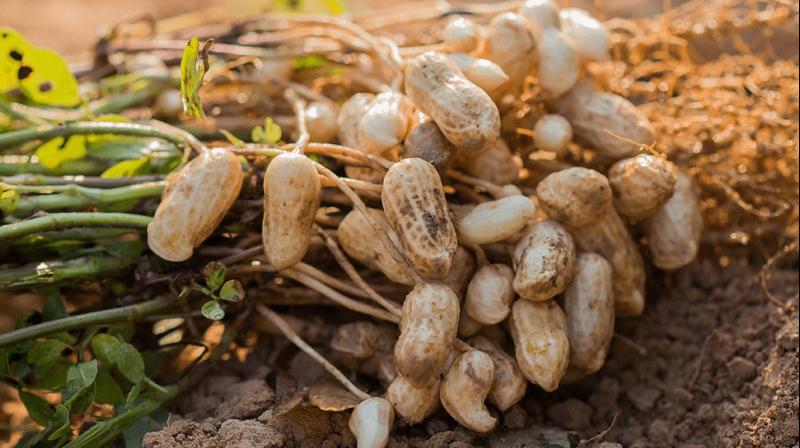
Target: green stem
x,y
22,164
84,181
46,132
55,221
76,196
130,313
56,271
79,234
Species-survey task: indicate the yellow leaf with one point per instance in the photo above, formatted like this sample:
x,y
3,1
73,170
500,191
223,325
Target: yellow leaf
x,y
45,78
13,47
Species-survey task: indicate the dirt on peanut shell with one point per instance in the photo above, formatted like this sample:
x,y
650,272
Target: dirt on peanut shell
x,y
711,363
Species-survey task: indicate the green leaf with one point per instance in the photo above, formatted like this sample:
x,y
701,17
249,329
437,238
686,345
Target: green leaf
x,y
212,310
80,378
46,354
193,67
54,378
128,168
130,363
13,47
232,291
54,152
38,409
9,197
53,306
135,433
105,348
269,134
107,391
46,79
214,272
60,423
134,393
308,62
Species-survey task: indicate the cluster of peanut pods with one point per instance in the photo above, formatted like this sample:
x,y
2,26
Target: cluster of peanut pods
x,y
550,267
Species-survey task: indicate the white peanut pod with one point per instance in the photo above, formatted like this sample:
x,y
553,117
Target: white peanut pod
x,y
461,271
674,231
496,165
428,327
482,72
194,201
467,326
575,197
322,121
589,34
559,62
544,261
413,404
593,113
291,199
359,240
552,133
350,115
425,141
490,293
385,123
540,14
589,307
539,330
460,35
414,202
510,44
509,383
610,238
493,221
371,422
641,185
464,113
464,389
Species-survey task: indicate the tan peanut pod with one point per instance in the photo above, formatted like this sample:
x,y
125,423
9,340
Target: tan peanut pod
x,y
589,307
490,293
371,422
509,43
413,404
539,331
589,34
493,221
559,62
385,123
322,121
428,327
461,35
465,114
540,14
544,261
414,203
482,72
350,115
593,113
291,199
610,238
552,133
496,165
674,231
365,347
195,199
358,239
509,383
464,389
641,185
426,142
575,197
467,326
461,271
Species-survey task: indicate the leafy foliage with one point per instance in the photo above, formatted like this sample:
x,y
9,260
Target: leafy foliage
x,y
194,65
217,289
268,134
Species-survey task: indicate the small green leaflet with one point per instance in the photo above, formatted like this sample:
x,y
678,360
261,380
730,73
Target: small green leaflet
x,y
54,152
214,273
80,378
128,168
107,391
105,348
192,72
9,197
212,310
110,351
269,134
231,291
38,409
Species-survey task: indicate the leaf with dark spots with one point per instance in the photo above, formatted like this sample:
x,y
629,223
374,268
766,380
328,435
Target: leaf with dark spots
x,y
24,72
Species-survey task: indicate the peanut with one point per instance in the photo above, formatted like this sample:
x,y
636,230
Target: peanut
x,y
428,328
464,389
321,121
426,142
589,307
496,165
674,231
350,115
366,348
575,197
540,14
385,123
510,44
552,133
539,330
411,403
509,383
467,326
594,113
544,260
414,202
590,35
371,422
291,199
194,201
610,238
641,185
461,271
494,221
460,35
490,293
559,62
482,72
358,239
465,114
